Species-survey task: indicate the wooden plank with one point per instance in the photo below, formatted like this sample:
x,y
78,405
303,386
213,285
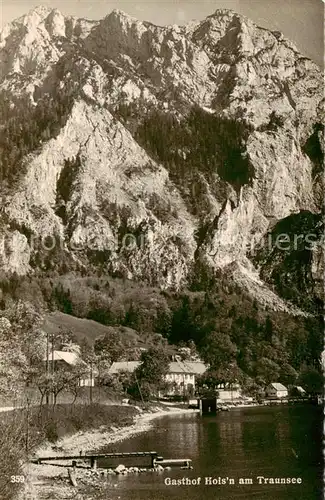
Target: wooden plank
x,y
98,455
174,461
155,459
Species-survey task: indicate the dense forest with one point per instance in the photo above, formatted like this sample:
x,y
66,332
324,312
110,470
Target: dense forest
x,y
232,332
25,125
199,142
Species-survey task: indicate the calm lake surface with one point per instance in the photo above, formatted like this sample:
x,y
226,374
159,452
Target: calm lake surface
x,y
274,442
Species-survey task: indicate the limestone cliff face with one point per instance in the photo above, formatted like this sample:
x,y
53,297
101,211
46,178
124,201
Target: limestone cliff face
x,y
94,184
113,189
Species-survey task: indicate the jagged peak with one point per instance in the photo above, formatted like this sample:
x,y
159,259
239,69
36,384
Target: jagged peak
x,y
51,18
223,12
41,11
121,15
34,18
31,21
230,14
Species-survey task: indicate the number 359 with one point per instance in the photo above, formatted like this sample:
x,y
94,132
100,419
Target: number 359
x,y
17,479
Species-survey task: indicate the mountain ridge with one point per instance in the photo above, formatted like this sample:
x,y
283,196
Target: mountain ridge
x,y
132,89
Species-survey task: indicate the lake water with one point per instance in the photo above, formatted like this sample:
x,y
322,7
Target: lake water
x,y
283,441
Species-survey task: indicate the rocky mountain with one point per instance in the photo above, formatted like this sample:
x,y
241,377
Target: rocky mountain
x,y
155,152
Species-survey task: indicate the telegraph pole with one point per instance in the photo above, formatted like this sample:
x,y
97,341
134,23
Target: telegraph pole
x,y
139,388
27,425
91,383
52,343
52,362
47,364
184,390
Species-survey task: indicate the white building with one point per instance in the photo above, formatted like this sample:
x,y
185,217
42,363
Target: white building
x,y
276,390
180,377
228,392
64,359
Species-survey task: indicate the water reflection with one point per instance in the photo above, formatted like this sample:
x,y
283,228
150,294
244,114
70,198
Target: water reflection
x,y
242,443
185,434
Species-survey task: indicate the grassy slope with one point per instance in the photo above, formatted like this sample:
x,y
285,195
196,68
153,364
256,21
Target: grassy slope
x,y
81,328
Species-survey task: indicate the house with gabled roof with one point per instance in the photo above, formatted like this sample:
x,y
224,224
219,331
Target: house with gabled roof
x,y
66,359
275,390
123,366
180,377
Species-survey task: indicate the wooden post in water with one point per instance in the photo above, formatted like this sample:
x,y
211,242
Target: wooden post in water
x,y
73,476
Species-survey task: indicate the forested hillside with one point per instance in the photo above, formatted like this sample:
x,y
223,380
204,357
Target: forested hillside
x,y
147,174
229,329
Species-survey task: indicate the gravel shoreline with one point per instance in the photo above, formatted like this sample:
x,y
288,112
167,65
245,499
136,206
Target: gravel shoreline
x,y
93,440
51,481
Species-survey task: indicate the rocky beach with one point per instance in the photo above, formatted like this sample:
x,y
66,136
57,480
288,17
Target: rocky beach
x,y
49,481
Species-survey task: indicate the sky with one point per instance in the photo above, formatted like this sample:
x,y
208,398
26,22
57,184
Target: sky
x,y
299,20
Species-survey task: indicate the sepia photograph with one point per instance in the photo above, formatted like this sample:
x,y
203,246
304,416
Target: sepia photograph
x,y
162,249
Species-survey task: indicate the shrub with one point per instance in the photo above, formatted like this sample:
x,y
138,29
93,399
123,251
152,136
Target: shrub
x,y
51,432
